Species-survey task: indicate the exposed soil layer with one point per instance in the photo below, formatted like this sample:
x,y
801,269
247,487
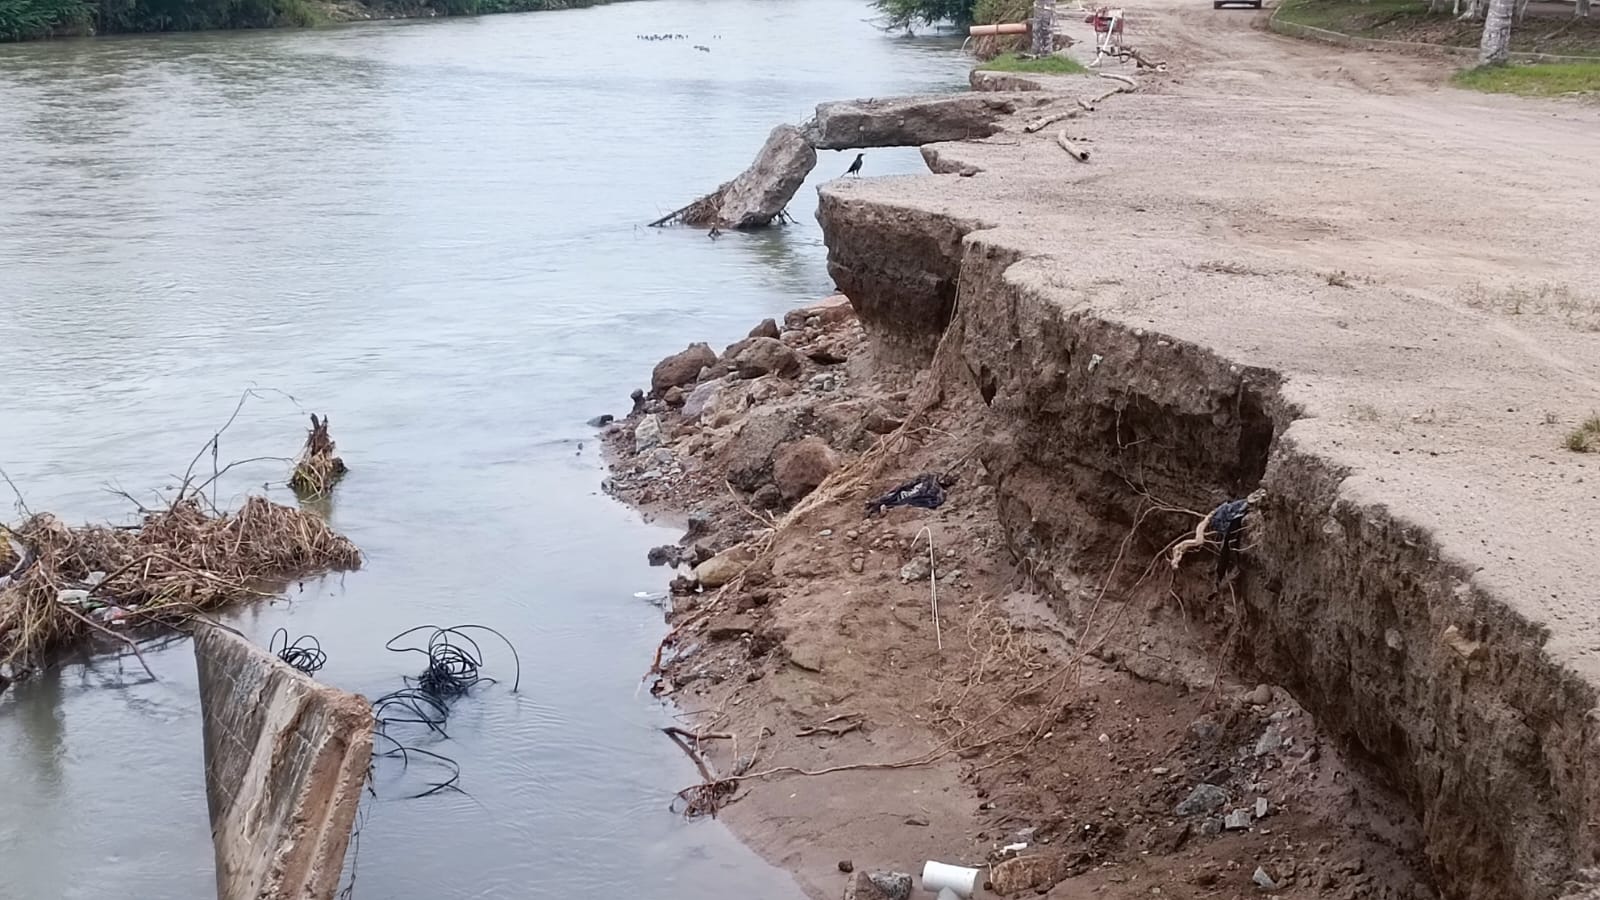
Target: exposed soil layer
x,y
1273,282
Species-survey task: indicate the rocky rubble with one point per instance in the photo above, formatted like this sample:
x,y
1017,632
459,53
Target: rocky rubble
x,y
744,434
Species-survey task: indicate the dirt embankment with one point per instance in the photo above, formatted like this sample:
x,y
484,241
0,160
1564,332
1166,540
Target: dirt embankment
x,y
1272,283
1117,752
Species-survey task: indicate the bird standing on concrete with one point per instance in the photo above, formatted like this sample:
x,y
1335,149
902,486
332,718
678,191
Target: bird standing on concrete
x,y
855,167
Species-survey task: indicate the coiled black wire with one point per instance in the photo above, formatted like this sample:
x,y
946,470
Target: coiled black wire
x,y
305,653
455,661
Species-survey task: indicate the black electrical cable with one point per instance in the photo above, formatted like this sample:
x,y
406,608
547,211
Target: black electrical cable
x,y
455,661
305,653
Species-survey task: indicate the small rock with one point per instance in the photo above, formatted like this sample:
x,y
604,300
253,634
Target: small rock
x,y
800,467
1261,696
673,396
1261,807
769,329
766,356
1160,770
768,497
647,434
917,820
861,887
729,627
1238,820
665,555
1203,799
915,570
894,885
1393,639
601,421
1026,873
857,564
1270,741
722,568
703,397
681,368
1211,826
1264,880
845,865
1463,646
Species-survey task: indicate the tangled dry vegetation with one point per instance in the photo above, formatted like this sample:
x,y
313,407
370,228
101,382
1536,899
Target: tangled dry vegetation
x,y
63,584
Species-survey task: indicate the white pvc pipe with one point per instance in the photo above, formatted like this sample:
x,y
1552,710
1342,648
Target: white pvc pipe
x,y
937,876
1002,28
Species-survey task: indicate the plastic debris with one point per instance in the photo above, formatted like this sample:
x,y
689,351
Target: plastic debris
x,y
926,491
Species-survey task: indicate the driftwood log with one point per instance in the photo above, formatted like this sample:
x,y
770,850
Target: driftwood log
x,y
1073,150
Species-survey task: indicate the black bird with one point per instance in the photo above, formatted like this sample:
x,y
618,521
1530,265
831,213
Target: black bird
x,y
855,167
714,233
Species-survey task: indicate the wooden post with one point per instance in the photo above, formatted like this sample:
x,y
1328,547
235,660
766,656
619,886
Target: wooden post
x,y
1044,27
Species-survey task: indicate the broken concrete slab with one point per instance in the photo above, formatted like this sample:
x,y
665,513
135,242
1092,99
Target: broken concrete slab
x,y
286,759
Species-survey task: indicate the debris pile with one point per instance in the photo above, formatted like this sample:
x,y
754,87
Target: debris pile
x,y
317,469
178,561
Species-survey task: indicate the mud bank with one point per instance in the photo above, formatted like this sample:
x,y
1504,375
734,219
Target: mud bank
x,y
1413,577
1128,379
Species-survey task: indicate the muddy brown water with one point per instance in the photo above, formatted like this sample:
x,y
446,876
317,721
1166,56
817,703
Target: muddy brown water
x,y
429,231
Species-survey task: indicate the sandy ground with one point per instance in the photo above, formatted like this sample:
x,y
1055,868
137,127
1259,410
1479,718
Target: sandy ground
x,y
1418,229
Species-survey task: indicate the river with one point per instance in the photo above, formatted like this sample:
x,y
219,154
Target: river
x,y
430,231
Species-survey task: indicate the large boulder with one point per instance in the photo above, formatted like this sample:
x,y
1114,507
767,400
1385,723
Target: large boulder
x,y
799,467
767,356
747,456
681,368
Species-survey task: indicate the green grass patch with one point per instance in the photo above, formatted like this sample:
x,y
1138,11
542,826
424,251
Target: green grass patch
x,y
1050,65
1535,80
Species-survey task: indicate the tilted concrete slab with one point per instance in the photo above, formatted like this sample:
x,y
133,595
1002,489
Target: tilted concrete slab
x,y
286,759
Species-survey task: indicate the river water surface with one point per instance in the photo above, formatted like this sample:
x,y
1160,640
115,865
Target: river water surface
x,y
428,231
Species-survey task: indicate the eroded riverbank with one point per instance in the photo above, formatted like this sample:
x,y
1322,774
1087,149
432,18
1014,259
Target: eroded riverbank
x,y
1104,355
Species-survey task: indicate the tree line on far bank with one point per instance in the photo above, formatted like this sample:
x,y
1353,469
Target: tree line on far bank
x,y
22,20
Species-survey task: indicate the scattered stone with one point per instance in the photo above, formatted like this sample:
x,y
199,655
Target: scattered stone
x,y
861,887
1261,807
769,329
1203,799
722,568
857,564
1261,696
601,421
805,659
1463,646
681,368
730,627
1211,826
1270,741
1264,880
673,396
845,865
1238,820
768,497
766,356
647,434
915,570
699,523
665,555
1393,639
894,885
917,820
799,468
1026,873
1205,728
703,397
